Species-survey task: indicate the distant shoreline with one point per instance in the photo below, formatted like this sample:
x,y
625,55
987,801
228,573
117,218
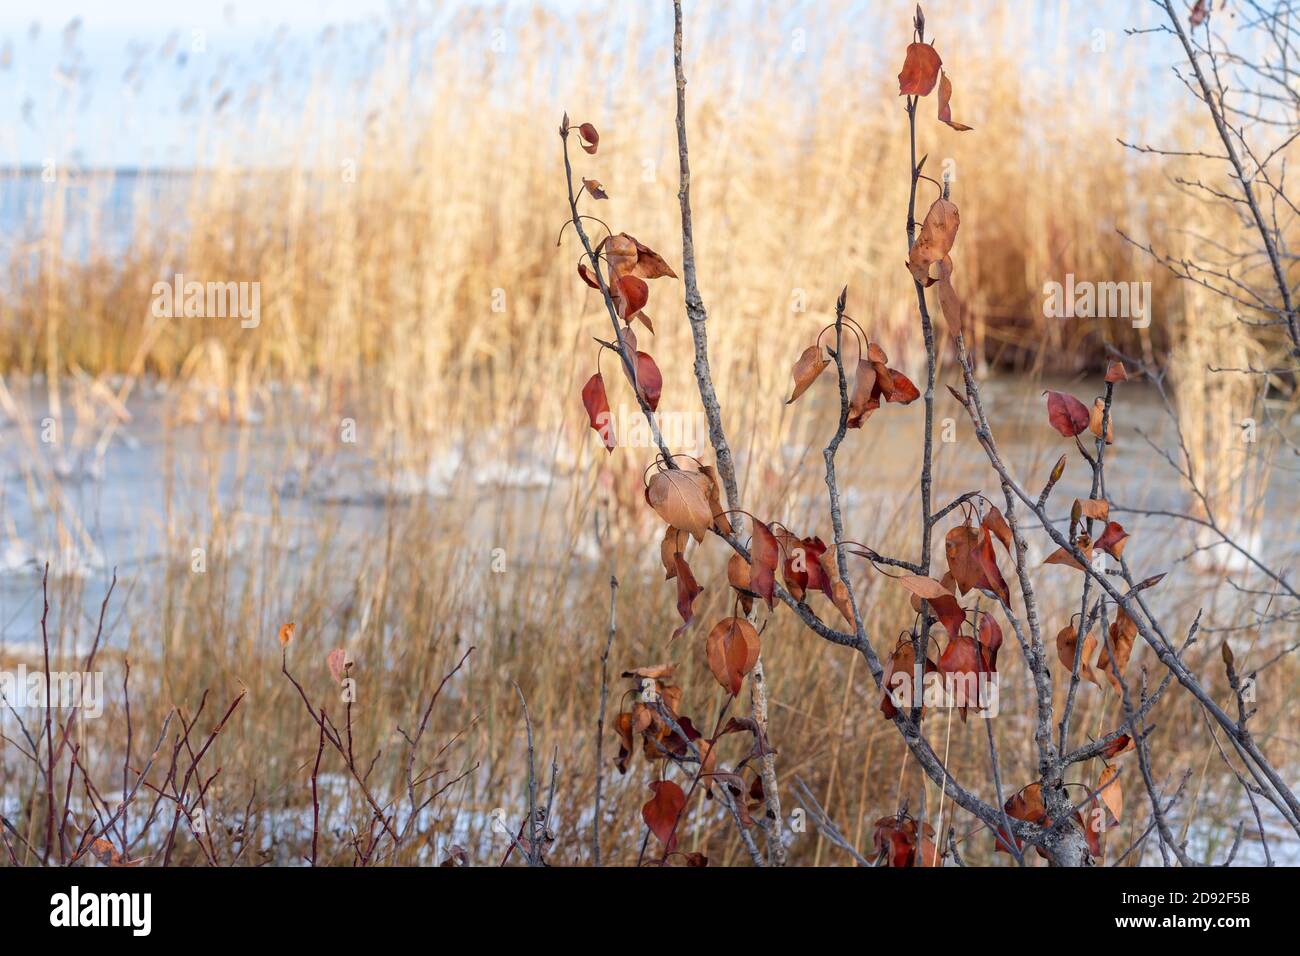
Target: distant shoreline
x,y
129,172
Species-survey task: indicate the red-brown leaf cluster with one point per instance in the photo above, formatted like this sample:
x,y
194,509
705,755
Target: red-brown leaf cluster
x,y
900,841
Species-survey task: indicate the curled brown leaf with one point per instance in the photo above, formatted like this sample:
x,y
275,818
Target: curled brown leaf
x,y
811,363
945,104
935,240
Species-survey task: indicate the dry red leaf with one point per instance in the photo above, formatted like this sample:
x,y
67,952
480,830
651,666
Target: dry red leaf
x,y
884,376
866,395
875,380
997,526
623,726
1200,11
756,798
934,242
945,105
596,402
923,587
629,256
620,255
1092,830
596,190
286,633
903,661
674,542
590,138
643,718
1068,415
765,553
1121,744
950,613
963,658
104,851
108,855
628,338
814,548
708,763
1063,557
1109,792
738,573
687,591
839,593
1027,805
1114,658
667,742
1098,509
720,521
794,563
1116,372
890,840
1067,643
672,697
920,70
587,275
959,548
649,379
630,294
990,638
661,812
942,602
901,390
801,568
898,839
973,562
1113,539
927,854
732,649
649,264
949,301
744,596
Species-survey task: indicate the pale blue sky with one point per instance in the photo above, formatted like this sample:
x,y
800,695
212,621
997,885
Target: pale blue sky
x,y
125,86
97,112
